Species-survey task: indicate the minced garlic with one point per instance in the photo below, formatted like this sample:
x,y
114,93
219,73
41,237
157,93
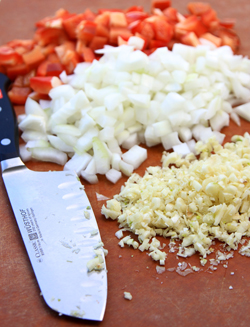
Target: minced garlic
x,y
193,200
127,296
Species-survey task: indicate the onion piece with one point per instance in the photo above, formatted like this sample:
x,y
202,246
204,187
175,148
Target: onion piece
x,y
33,108
91,178
125,168
234,116
101,197
33,122
29,135
25,154
131,141
170,140
182,149
49,154
58,143
101,156
135,156
113,175
243,111
78,162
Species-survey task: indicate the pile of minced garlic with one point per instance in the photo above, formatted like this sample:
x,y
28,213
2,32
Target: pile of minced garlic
x,y
192,200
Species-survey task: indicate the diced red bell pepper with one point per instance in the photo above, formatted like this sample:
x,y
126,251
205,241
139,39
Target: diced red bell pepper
x,y
86,30
98,42
63,13
19,81
60,15
54,69
198,8
171,14
163,30
209,17
118,19
191,24
227,22
148,52
103,19
123,32
134,27
62,49
21,50
132,16
89,15
102,30
68,56
146,42
24,80
80,45
27,44
134,8
88,54
18,95
160,4
70,60
44,21
70,24
154,44
171,43
48,49
146,29
43,84
212,38
27,77
102,10
229,37
17,70
21,46
48,68
120,41
38,96
53,57
190,39
34,57
2,69
44,36
8,56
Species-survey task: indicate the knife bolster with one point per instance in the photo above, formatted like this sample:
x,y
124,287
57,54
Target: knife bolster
x,y
11,163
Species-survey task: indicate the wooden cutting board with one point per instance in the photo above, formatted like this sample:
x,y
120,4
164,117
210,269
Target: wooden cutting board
x,y
168,299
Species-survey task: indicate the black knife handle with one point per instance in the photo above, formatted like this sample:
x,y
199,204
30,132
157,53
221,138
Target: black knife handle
x,y
9,137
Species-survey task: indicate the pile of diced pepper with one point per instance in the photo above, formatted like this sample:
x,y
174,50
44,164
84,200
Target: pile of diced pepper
x,y
66,39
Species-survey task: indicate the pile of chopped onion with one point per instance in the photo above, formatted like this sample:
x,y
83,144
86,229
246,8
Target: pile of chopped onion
x,y
128,98
192,200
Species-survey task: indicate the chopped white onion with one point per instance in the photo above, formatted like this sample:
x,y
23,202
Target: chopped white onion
x,y
101,156
125,168
135,156
127,97
170,140
91,178
49,154
113,175
182,149
243,111
78,163
25,154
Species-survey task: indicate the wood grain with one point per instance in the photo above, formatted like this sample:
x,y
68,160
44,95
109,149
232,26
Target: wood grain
x,y
200,299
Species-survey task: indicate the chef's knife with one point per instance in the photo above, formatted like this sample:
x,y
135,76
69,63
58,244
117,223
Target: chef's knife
x,y
57,225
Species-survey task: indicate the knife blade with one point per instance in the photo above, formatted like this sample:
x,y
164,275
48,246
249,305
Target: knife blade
x,y
57,225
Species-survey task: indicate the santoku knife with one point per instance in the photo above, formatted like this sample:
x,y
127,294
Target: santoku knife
x,y
57,225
